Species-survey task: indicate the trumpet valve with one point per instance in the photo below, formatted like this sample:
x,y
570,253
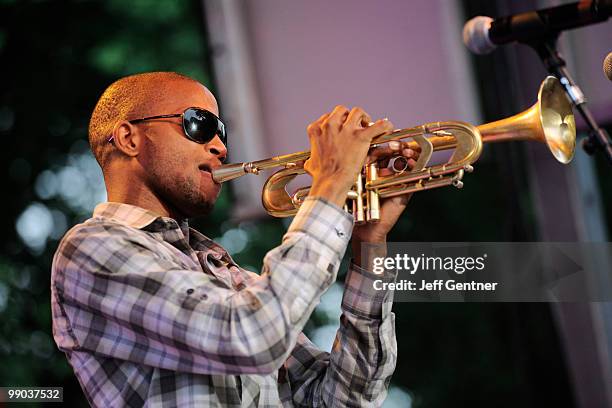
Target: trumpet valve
x,y
398,164
456,180
358,208
372,197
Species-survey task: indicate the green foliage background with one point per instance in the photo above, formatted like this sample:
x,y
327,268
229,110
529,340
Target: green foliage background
x,y
57,58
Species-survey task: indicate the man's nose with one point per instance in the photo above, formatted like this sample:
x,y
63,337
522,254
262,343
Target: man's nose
x,y
216,147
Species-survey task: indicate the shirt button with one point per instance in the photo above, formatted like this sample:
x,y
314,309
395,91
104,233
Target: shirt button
x,y
339,232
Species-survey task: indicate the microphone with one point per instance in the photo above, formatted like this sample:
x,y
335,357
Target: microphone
x,y
481,34
607,66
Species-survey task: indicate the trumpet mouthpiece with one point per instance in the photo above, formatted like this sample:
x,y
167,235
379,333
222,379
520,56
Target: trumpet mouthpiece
x,y
228,172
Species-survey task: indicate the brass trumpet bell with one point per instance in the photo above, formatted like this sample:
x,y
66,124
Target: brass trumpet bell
x,y
550,120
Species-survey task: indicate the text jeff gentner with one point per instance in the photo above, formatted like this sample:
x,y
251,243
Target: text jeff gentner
x,y
436,285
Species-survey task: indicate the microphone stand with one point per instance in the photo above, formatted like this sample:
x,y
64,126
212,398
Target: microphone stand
x,y
598,138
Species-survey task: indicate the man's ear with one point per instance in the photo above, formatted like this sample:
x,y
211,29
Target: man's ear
x,y
127,138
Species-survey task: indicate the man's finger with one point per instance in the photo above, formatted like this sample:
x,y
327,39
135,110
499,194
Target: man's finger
x,y
314,129
357,117
391,149
336,118
383,151
407,152
380,127
322,118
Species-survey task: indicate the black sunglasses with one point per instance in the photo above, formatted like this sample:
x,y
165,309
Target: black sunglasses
x,y
199,125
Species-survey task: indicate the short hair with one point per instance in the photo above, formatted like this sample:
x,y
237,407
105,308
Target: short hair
x,y
128,98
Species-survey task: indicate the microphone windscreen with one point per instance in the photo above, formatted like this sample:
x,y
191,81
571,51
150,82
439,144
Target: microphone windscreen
x,y
607,66
476,35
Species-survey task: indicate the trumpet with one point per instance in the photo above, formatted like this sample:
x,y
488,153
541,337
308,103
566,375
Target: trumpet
x,y
550,120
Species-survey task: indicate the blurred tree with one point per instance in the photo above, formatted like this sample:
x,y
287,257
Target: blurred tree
x,y
57,58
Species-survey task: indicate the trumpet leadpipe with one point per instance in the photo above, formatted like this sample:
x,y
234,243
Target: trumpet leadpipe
x,y
229,172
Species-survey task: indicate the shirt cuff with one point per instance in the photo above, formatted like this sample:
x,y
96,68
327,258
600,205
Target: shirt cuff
x,y
326,222
362,299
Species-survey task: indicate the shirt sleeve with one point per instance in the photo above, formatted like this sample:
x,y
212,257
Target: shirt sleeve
x,y
357,371
114,295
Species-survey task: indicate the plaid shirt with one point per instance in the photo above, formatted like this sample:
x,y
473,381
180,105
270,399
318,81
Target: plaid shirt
x,y
152,313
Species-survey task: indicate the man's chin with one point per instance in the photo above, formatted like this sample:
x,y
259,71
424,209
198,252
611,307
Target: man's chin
x,y
200,209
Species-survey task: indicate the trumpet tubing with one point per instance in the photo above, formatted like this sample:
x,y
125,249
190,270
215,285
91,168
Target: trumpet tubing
x,y
550,120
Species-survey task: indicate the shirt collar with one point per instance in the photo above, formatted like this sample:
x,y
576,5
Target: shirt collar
x,y
127,214
138,217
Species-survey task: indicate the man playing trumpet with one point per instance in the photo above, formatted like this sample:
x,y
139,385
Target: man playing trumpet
x,y
151,312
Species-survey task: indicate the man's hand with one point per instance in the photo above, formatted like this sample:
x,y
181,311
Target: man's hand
x,y
391,208
340,142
